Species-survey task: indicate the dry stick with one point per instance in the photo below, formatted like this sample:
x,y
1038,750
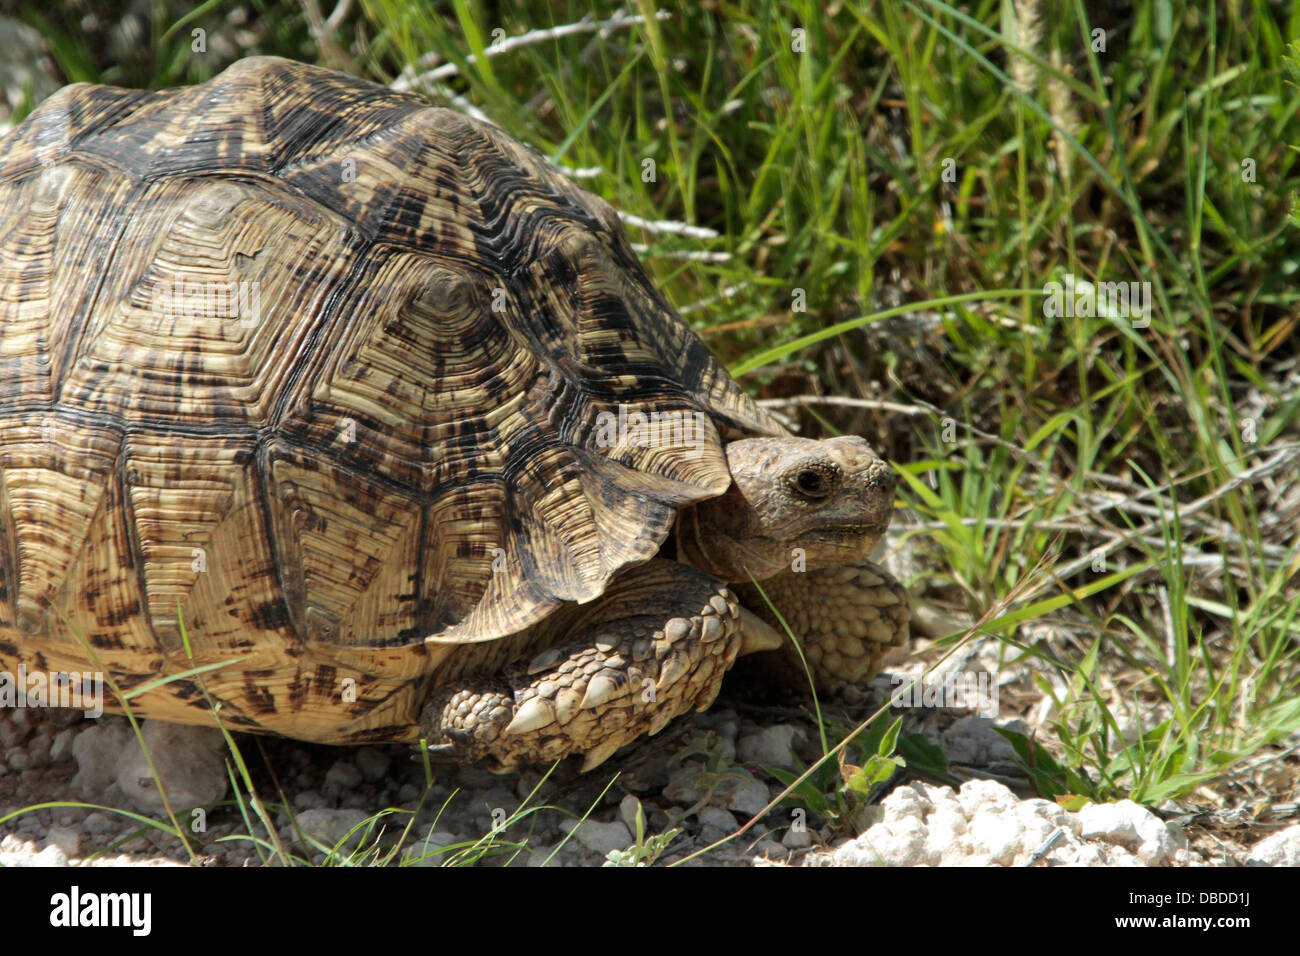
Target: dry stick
x,y
726,293
1197,558
683,254
1099,500
534,106
839,400
410,79
1146,533
322,31
921,407
577,172
1254,763
1167,621
338,14
1045,847
431,81
669,226
1259,471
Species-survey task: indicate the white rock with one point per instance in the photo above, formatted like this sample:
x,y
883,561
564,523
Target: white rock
x,y
1053,814
1089,854
12,843
946,838
96,751
599,837
96,823
50,856
680,788
343,774
331,826
1280,849
1136,829
717,817
1112,822
984,824
770,747
999,836
627,809
981,796
189,760
426,848
539,856
748,797
899,842
972,740
61,747
66,839
797,839
16,852
913,800
1160,843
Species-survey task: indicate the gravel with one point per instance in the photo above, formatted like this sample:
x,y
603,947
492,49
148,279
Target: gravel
x,y
687,779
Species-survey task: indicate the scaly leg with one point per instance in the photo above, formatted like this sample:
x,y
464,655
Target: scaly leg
x,y
846,619
654,646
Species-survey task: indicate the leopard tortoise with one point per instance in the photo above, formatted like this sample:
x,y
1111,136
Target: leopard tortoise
x,y
354,414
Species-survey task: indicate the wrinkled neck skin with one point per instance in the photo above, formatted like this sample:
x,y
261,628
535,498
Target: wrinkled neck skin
x,y
716,551
765,524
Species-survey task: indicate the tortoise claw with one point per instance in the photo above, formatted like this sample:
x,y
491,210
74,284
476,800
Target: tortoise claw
x,y
455,746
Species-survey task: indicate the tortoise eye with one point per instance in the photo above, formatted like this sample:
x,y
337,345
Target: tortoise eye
x,y
811,483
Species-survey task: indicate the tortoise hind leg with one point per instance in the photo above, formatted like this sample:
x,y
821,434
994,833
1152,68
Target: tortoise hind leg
x,y
655,646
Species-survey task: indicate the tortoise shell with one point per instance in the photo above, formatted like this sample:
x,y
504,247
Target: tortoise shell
x,y
320,371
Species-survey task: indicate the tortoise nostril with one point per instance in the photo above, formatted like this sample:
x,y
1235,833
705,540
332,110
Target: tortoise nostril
x,y
884,480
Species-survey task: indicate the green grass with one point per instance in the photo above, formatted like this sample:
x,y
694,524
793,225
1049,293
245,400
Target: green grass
x,y
920,160
824,171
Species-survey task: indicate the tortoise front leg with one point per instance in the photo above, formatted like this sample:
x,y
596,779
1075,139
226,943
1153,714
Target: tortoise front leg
x,y
846,618
656,645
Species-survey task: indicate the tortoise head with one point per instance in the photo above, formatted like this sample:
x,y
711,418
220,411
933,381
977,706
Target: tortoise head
x,y
793,504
